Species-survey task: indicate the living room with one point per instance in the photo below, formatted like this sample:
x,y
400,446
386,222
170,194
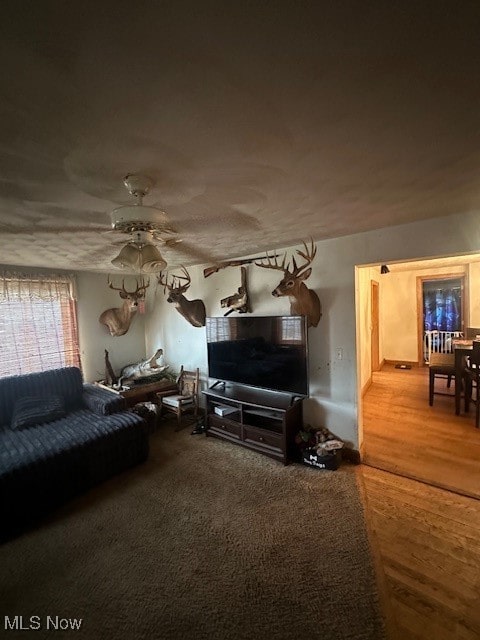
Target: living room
x,y
260,128
333,381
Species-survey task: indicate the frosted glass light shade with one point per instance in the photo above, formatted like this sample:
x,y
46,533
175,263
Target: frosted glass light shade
x,y
129,256
146,258
151,259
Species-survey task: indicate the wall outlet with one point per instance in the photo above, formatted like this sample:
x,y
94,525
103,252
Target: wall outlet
x,y
339,352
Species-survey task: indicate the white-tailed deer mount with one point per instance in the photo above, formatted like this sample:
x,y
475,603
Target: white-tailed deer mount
x,y
239,301
303,301
192,310
118,319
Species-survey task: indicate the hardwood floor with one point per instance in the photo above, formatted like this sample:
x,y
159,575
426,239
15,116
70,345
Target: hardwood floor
x,y
422,507
427,546
403,434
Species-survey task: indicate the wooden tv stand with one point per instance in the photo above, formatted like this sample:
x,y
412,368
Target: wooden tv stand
x,y
266,421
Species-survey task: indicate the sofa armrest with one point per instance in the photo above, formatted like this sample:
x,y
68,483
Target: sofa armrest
x,y
101,401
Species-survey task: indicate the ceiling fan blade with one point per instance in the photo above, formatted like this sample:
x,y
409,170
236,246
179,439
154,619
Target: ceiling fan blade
x,y
165,242
192,252
233,220
34,229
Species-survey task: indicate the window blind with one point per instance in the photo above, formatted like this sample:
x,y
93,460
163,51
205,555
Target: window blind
x,y
38,323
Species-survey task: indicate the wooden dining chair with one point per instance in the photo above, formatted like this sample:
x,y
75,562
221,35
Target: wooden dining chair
x,y
472,381
442,365
185,400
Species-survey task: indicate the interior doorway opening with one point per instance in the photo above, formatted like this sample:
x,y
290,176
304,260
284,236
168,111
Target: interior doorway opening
x,y
398,430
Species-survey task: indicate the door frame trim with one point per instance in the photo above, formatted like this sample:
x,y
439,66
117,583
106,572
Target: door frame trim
x,y
374,285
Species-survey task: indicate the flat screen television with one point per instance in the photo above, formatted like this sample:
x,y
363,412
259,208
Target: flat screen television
x,y
270,352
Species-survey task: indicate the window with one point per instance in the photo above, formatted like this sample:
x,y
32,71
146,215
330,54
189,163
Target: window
x,y
291,331
38,323
442,304
222,329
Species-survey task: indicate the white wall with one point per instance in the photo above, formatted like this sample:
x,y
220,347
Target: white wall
x,y
333,383
399,314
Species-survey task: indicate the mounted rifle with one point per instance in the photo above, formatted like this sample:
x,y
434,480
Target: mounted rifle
x,y
231,263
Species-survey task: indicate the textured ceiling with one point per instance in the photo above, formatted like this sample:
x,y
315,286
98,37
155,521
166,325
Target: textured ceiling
x,y
262,125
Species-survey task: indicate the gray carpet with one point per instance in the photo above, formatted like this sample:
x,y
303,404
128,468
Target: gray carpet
x,y
205,540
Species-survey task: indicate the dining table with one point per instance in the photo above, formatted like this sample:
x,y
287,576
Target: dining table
x,y
461,348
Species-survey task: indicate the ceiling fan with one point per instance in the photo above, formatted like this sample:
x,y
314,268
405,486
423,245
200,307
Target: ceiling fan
x,y
140,229
132,218
145,225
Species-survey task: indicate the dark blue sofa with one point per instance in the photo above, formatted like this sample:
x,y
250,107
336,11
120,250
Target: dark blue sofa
x,y
59,437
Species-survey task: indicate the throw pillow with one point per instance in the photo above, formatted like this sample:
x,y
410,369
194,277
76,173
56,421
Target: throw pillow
x,y
33,410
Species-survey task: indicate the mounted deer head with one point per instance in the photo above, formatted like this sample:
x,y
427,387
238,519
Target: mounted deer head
x,y
303,301
191,310
118,319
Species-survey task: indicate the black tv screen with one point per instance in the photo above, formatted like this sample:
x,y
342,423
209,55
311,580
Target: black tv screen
x,y
268,352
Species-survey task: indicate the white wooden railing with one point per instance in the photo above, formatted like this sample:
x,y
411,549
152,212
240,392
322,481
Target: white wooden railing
x,y
438,342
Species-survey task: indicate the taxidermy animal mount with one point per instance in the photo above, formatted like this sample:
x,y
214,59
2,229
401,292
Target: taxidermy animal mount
x,y
239,301
118,319
303,301
191,310
142,369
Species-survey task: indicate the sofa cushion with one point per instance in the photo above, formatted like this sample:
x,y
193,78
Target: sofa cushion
x,y
33,410
66,382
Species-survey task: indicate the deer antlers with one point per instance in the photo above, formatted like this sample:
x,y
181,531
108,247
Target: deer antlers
x,y
303,301
192,310
308,255
175,282
141,288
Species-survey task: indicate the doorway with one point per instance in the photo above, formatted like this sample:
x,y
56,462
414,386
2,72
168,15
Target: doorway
x,y
398,430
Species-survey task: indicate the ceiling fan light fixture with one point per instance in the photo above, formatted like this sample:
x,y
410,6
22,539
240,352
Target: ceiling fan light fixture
x,y
129,256
132,218
143,258
140,221
151,259
138,217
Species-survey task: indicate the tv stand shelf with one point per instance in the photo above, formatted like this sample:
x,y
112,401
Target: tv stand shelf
x,y
262,420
